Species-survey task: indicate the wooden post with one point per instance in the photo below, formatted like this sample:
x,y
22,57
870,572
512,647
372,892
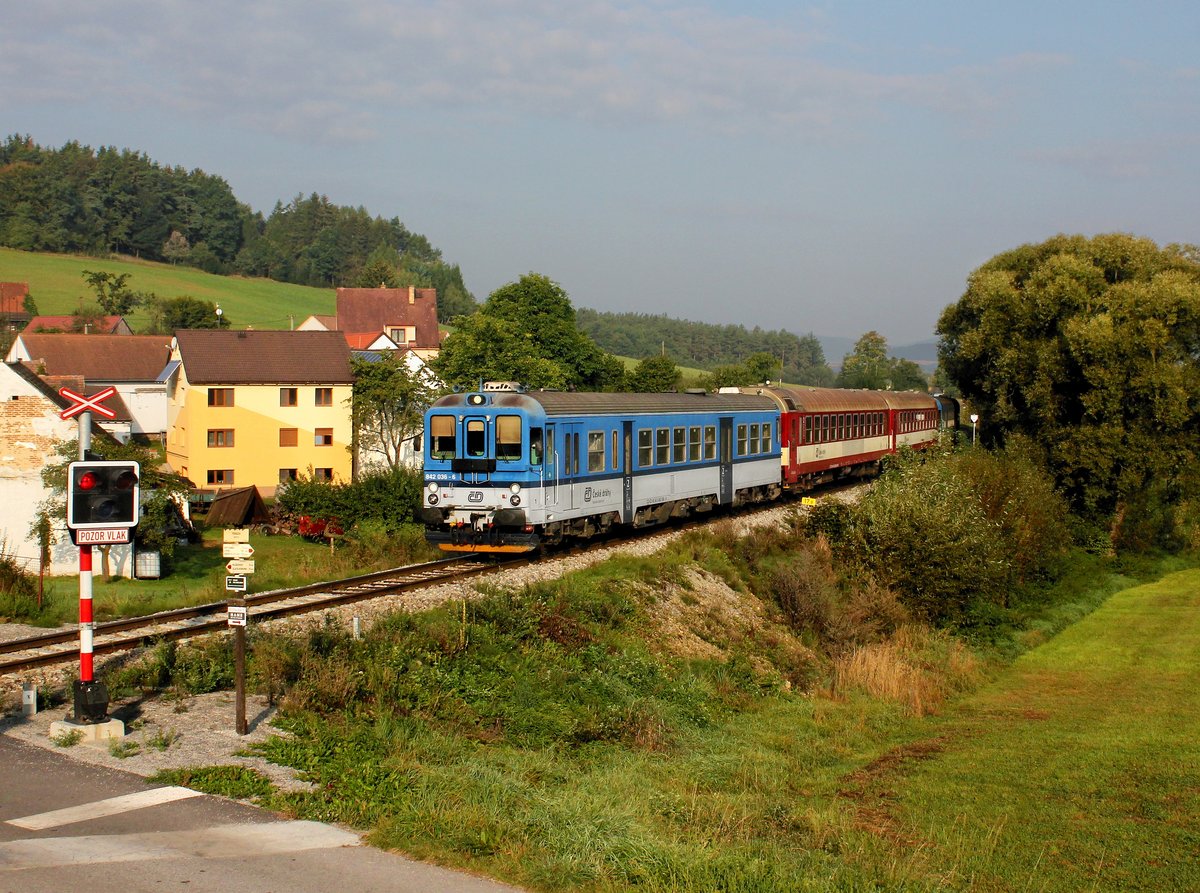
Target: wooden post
x,y
236,617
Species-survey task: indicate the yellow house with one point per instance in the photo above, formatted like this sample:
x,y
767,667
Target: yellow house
x,y
258,407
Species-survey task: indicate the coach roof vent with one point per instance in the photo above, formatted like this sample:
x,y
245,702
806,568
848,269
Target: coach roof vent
x,y
514,387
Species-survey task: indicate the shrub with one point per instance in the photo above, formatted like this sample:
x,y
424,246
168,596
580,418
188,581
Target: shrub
x,y
18,593
388,498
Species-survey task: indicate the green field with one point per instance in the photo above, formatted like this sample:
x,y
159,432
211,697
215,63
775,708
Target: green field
x,y
57,285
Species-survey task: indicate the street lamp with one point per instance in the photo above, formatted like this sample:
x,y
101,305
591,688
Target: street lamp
x,y
219,313
974,419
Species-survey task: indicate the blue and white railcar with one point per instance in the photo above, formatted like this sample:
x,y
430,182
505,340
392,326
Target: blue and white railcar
x,y
509,471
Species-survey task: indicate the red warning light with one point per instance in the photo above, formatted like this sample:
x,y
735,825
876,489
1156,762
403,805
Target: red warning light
x,y
87,481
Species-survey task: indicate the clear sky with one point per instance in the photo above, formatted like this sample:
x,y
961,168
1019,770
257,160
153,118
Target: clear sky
x,y
829,168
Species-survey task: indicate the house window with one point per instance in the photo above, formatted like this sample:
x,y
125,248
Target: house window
x,y
595,451
220,476
220,396
289,436
323,397
323,437
322,474
508,438
220,437
287,474
287,397
398,335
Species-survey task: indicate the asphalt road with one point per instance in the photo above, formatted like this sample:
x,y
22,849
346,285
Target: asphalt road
x,y
67,825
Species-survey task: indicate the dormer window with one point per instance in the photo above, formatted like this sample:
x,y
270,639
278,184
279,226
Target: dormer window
x,y
399,334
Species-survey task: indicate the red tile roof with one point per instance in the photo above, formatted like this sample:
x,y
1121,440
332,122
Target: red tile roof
x,y
104,325
12,297
97,357
224,356
379,309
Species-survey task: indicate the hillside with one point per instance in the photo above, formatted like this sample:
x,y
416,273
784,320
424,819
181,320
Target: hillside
x,y
57,285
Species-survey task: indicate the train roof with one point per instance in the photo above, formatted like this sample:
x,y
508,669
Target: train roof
x,y
566,403
842,399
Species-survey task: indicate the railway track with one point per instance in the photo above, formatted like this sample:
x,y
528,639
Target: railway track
x,y
62,646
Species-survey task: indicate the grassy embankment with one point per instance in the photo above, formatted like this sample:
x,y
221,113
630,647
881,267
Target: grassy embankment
x,y
56,283
650,723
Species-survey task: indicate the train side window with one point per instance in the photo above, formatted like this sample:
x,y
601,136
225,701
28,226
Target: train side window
x,y
766,438
535,446
616,452
824,435
710,442
753,447
662,446
595,451
645,448
476,437
808,429
508,438
442,442
679,448
741,440
694,444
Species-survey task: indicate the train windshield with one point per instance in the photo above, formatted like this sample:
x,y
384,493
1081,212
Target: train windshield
x,y
443,443
508,438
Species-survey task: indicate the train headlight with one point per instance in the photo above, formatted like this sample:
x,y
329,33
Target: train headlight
x,y
433,500
514,499
515,488
433,486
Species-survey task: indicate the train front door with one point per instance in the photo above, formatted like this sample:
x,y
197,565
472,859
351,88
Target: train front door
x,y
550,468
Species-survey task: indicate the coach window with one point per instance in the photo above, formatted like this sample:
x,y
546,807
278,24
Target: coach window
x,y
442,442
753,448
808,429
766,437
679,454
535,446
508,438
694,444
662,446
741,440
645,448
710,442
616,452
595,451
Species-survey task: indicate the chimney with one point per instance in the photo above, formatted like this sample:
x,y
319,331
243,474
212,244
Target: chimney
x,y
412,294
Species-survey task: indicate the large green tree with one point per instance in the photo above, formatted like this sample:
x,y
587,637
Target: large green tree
x,y
869,366
526,332
1091,347
387,405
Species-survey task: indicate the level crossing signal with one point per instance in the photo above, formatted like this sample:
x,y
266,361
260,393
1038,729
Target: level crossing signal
x,y
102,495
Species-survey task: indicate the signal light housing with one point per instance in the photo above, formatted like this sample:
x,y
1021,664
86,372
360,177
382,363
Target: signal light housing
x,y
103,495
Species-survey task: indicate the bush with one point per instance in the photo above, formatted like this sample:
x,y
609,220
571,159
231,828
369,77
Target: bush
x,y
387,498
18,591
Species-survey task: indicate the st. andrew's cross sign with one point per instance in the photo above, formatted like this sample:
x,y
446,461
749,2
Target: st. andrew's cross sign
x,y
88,404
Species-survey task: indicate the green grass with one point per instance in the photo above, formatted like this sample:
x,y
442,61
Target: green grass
x,y
56,283
1079,769
197,576
541,743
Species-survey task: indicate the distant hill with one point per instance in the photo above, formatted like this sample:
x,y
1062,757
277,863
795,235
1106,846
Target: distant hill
x,y
57,286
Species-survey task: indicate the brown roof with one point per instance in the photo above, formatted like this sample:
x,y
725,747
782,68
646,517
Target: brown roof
x,y
104,325
378,309
12,297
224,356
98,357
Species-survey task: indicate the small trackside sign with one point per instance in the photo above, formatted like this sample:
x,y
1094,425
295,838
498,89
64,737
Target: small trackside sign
x,y
235,584
101,536
236,615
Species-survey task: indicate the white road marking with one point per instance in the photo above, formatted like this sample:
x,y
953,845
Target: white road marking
x,y
222,841
101,808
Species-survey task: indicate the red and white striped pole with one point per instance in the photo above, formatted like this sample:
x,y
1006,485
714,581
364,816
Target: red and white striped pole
x,y
87,624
